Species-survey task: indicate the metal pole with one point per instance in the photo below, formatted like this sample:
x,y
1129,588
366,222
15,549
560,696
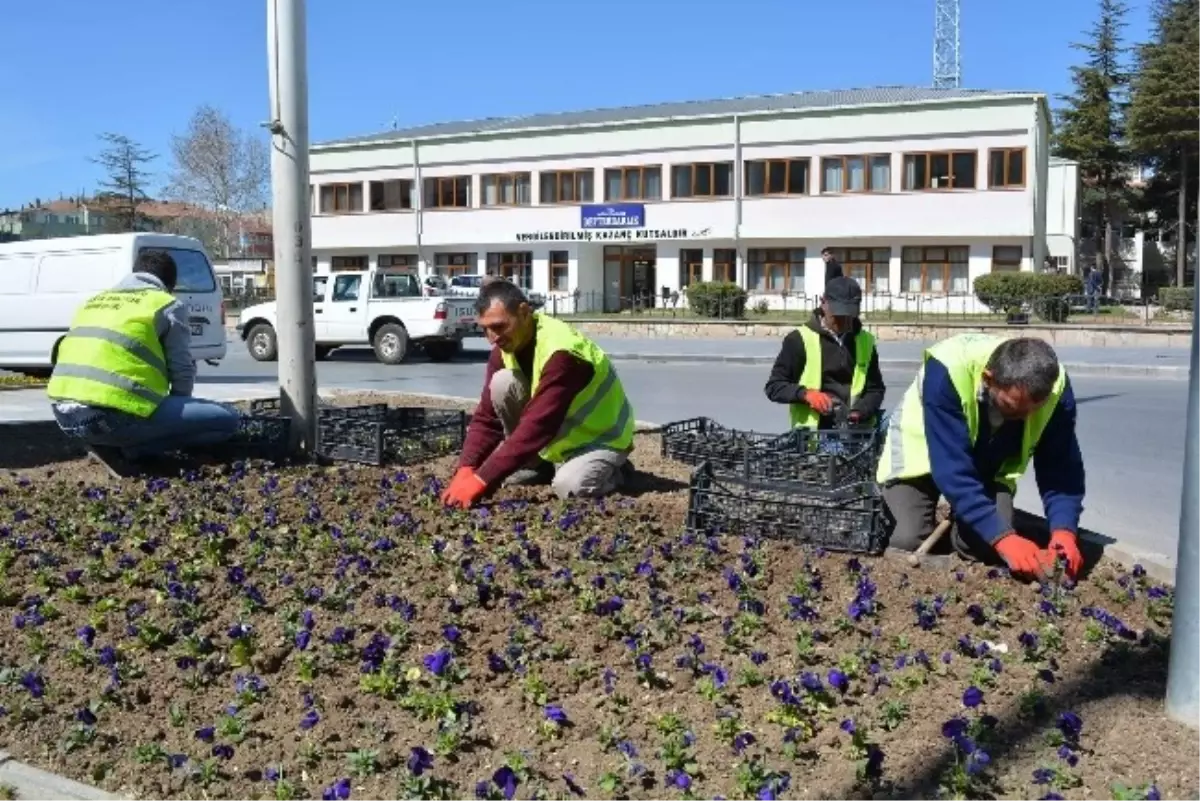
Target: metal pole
x,y
1183,675
287,64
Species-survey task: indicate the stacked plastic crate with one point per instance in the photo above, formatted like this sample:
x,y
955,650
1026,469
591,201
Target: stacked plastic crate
x,y
379,434
811,486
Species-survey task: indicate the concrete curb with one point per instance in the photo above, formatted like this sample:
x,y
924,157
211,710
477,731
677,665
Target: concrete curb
x,y
31,782
1078,368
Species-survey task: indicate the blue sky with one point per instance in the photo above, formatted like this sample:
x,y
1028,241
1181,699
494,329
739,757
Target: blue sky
x,y
76,68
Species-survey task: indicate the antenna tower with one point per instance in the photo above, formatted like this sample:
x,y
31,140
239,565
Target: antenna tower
x,y
947,73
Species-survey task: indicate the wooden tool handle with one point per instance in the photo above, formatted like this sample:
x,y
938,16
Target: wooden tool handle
x,y
933,538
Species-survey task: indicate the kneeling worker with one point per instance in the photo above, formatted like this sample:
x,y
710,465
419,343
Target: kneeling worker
x,y
979,409
122,382
552,408
829,361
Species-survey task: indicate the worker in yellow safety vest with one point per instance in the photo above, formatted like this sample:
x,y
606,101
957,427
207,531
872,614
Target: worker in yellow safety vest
x,y
980,409
123,376
829,363
552,409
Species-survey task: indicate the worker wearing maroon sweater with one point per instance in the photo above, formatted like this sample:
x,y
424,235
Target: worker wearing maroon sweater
x,y
552,409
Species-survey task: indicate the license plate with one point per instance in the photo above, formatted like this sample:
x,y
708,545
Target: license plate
x,y
197,329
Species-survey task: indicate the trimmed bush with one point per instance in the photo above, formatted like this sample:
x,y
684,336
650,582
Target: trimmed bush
x,y
1176,298
1046,294
717,299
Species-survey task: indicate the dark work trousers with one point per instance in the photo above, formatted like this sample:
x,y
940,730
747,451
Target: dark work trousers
x,y
912,504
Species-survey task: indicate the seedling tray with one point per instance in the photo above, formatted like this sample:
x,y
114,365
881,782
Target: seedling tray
x,y
848,519
260,436
817,461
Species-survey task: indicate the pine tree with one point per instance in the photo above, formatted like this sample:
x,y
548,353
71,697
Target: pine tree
x,y
1090,128
1164,112
124,162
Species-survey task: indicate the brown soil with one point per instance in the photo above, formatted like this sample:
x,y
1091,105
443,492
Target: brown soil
x,y
163,568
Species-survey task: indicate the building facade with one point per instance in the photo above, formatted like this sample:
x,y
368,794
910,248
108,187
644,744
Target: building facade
x,y
918,191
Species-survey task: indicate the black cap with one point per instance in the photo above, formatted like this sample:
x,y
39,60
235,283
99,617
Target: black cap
x,y
843,296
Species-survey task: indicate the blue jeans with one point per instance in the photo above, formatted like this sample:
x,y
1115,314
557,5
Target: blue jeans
x,y
179,423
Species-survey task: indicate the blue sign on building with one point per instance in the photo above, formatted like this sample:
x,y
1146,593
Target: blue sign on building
x,y
613,215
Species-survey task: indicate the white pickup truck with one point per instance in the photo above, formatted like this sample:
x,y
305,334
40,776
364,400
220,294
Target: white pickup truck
x,y
386,310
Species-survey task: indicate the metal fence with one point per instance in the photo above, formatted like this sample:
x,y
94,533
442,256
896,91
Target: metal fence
x,y
876,307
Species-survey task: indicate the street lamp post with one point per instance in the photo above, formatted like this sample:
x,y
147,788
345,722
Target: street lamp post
x,y
288,68
1183,674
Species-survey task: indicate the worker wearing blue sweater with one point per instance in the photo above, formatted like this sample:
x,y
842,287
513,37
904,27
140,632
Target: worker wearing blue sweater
x,y
980,408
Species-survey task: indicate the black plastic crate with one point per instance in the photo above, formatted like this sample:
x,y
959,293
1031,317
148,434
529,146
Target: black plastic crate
x,y
383,435
702,439
818,460
848,519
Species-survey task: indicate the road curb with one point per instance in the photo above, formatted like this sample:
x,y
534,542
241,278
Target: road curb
x,y
31,782
1078,368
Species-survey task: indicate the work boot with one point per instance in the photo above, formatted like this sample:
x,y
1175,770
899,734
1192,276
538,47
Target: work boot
x,y
113,461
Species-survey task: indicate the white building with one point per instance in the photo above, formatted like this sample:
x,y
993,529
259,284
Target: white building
x,y
920,191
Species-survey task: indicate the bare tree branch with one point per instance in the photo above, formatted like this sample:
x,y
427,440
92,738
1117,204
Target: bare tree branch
x,y
223,170
124,161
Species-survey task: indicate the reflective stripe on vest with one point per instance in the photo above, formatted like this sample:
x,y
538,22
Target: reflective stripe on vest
x,y
599,417
803,415
112,357
965,357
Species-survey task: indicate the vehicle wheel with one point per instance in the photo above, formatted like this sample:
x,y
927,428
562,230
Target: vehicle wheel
x,y
323,351
391,343
261,343
443,351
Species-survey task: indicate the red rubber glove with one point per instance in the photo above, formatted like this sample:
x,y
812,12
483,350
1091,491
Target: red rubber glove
x,y
1023,557
465,488
820,402
1066,544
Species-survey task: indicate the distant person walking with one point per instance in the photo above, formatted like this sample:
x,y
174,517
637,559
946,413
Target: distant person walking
x,y
1093,284
833,267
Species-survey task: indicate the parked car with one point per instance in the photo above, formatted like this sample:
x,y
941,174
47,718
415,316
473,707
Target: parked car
x,y
388,311
44,282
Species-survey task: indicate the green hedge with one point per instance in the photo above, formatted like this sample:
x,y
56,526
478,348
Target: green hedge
x,y
1042,293
1176,298
717,299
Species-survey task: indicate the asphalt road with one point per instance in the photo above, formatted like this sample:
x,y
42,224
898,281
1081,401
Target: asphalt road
x,y
1130,428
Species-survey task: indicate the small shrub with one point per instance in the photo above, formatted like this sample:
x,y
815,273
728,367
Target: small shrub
x,y
717,299
1045,293
1176,298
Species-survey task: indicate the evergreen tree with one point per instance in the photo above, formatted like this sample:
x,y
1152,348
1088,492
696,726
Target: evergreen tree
x,y
125,164
1091,128
1164,111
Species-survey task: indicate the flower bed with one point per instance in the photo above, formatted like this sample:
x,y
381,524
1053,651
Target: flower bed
x,y
251,632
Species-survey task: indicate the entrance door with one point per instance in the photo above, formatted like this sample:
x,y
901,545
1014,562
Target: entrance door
x,y
629,277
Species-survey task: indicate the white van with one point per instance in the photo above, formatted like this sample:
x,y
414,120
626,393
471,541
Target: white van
x,y
43,282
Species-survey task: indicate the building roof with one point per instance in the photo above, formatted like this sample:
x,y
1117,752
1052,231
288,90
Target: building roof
x,y
759,104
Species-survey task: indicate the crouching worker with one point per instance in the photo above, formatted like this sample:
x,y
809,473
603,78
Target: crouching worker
x,y
122,382
829,362
980,408
552,409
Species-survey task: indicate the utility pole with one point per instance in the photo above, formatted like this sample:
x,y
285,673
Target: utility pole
x,y
287,64
1183,674
947,69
